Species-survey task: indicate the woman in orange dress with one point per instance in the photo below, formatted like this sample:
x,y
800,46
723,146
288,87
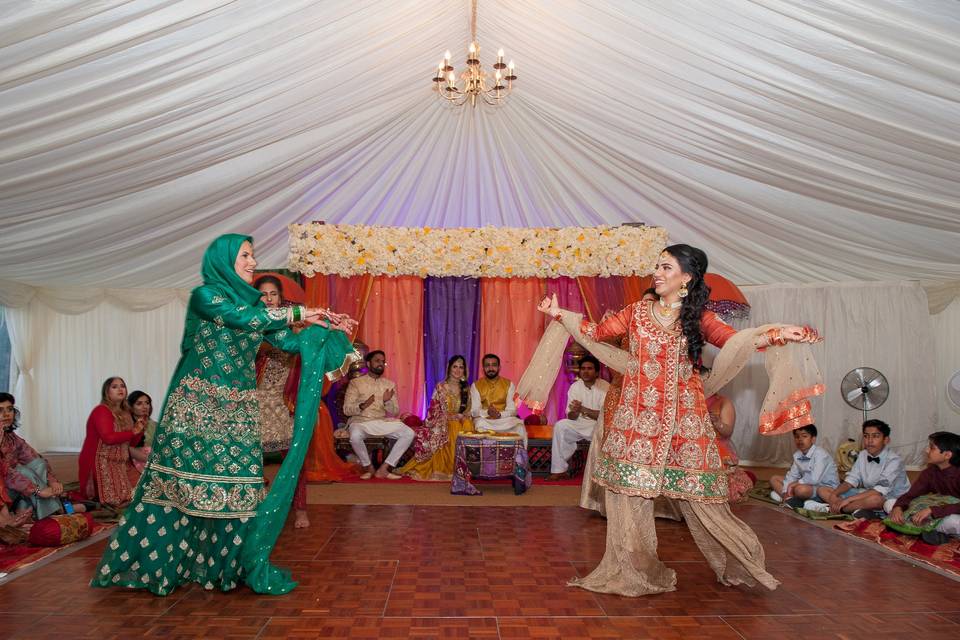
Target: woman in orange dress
x,y
660,441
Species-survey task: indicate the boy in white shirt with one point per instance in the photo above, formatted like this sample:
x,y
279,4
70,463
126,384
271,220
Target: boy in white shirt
x,y
812,468
877,475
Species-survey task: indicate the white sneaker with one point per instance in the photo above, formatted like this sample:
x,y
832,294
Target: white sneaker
x,y
775,496
813,505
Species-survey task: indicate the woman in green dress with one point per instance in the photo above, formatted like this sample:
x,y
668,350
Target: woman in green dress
x,y
200,512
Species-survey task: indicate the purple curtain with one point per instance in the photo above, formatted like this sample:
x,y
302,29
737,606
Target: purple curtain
x,y
569,297
451,325
609,292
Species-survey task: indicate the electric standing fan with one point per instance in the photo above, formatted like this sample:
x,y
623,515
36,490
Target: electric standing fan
x,y
953,390
865,389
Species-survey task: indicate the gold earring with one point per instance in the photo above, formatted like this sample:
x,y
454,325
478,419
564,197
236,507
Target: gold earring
x,y
683,293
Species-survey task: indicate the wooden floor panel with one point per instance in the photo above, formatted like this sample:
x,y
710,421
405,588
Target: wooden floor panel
x,y
397,571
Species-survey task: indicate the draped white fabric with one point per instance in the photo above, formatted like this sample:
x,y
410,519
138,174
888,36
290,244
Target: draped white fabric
x,y
946,330
880,325
63,358
82,299
796,142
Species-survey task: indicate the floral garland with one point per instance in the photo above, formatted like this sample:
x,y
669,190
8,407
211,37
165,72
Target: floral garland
x,y
349,250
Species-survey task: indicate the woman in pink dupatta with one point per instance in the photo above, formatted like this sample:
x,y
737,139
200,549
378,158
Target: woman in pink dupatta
x,y
447,416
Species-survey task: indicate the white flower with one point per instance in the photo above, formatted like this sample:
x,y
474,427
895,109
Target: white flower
x,y
488,251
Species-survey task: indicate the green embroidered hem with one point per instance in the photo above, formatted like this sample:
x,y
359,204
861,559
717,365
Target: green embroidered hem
x,y
202,495
649,482
159,548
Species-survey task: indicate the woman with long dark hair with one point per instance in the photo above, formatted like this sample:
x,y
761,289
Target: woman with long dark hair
x,y
660,440
448,415
107,471
141,409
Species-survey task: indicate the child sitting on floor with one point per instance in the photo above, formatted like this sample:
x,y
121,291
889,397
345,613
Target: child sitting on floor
x,y
812,468
935,485
877,475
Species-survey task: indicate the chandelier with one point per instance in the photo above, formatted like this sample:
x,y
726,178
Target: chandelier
x,y
474,83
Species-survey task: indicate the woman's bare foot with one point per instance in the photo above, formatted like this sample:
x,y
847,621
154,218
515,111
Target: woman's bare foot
x,y
301,521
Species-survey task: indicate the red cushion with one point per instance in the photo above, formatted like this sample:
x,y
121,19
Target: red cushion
x,y
412,421
54,531
534,419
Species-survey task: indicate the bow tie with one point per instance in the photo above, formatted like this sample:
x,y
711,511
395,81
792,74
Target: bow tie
x,y
872,459
803,458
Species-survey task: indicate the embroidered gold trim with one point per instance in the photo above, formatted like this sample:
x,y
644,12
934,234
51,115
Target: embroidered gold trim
x,y
206,478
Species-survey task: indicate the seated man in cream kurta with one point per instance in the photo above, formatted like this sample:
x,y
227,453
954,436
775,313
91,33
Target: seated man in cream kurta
x,y
584,400
370,401
491,400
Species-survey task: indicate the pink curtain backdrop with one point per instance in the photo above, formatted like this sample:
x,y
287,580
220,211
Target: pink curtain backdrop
x,y
393,323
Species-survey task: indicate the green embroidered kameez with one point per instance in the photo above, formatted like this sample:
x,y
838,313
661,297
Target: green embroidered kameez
x,y
199,513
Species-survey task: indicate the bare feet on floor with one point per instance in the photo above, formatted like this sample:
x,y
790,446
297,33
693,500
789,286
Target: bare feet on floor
x,y
301,521
384,472
366,473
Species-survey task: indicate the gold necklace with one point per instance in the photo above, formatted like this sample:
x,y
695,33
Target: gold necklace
x,y
669,306
665,320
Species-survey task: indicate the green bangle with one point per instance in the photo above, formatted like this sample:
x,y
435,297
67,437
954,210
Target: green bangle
x,y
297,313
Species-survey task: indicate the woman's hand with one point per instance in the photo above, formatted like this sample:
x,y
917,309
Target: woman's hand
x,y
140,425
341,322
797,333
549,306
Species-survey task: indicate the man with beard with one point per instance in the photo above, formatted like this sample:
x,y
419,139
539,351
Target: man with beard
x,y
370,401
491,400
584,400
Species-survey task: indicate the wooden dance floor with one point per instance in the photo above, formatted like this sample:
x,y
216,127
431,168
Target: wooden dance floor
x,y
500,572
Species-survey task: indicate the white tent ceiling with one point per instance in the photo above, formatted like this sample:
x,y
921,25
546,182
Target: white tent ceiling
x,y
798,142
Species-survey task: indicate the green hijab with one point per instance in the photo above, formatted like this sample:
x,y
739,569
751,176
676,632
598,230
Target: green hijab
x,y
218,269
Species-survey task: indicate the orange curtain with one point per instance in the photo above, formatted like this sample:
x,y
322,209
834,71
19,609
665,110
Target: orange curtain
x,y
601,295
633,288
510,325
393,323
353,296
322,464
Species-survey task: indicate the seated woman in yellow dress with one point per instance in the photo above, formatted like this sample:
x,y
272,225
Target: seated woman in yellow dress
x,y
447,415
